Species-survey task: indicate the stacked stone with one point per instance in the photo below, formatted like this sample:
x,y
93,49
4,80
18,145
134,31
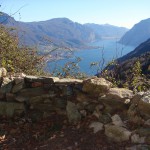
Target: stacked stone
x,y
114,108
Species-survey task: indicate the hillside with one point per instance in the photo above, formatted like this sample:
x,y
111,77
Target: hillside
x,y
107,31
138,34
128,67
60,31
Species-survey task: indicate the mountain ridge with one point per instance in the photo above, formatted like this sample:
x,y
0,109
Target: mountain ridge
x,y
107,30
58,30
139,33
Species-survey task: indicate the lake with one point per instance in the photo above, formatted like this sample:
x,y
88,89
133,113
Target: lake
x,y
109,50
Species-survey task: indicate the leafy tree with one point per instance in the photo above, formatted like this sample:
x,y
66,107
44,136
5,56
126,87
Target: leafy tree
x,y
16,59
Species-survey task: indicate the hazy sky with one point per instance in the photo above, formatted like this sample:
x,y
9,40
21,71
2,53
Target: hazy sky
x,y
116,12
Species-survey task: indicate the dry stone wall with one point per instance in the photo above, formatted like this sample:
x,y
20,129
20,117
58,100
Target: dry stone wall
x,y
114,108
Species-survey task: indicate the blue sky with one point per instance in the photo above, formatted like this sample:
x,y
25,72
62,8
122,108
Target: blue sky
x,y
116,12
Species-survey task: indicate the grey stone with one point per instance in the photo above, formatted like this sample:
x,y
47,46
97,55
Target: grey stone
x,y
50,80
72,112
116,120
19,80
6,85
9,109
45,80
37,99
143,131
43,107
97,126
90,107
113,105
146,97
60,102
3,72
116,133
32,92
135,138
67,90
144,108
82,97
32,78
147,122
134,115
17,87
21,99
10,97
147,140
43,98
68,81
119,93
96,86
105,118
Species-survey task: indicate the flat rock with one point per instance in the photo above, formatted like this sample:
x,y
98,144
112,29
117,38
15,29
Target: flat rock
x,y
68,81
45,80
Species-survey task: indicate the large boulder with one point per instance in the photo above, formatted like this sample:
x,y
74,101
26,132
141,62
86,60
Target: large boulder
x,y
117,133
96,86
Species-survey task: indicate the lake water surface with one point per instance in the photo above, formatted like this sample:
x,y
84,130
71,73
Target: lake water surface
x,y
109,49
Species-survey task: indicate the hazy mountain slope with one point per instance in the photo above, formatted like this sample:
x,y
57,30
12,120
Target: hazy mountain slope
x,y
107,31
61,31
124,70
140,53
137,52
138,34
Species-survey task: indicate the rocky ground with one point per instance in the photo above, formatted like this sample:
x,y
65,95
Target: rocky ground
x,y
48,113
55,133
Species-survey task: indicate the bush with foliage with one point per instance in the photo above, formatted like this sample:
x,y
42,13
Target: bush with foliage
x,y
16,59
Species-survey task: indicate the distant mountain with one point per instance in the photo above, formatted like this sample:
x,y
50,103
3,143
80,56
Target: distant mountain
x,y
107,31
138,34
59,30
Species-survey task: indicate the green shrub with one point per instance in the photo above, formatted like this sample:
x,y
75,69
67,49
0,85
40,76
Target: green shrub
x,y
16,59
